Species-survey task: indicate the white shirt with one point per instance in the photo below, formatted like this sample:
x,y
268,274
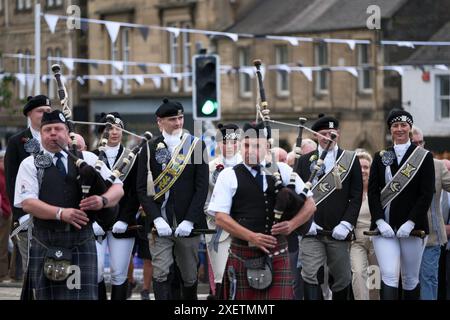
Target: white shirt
x,y
111,154
27,185
226,186
330,158
36,135
400,150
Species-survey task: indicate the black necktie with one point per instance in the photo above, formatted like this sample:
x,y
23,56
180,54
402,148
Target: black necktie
x,y
60,164
259,177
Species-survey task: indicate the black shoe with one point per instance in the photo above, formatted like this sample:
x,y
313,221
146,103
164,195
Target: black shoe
x,y
145,295
162,290
102,291
413,294
131,286
190,293
119,292
388,293
312,292
341,295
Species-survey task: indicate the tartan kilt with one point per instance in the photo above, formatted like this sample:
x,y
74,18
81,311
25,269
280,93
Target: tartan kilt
x,y
84,255
282,280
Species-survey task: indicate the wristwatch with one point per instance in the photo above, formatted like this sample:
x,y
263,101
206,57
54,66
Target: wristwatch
x,y
105,201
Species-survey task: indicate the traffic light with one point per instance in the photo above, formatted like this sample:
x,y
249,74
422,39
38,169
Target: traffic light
x,y
206,90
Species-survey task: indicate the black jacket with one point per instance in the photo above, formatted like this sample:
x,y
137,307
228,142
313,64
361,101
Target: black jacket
x,y
15,153
413,202
188,194
342,204
129,204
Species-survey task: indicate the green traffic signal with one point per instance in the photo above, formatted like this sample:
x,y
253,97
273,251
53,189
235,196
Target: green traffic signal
x,y
209,107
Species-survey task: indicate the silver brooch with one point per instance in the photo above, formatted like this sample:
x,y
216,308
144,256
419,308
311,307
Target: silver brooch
x,y
43,161
162,155
387,158
32,146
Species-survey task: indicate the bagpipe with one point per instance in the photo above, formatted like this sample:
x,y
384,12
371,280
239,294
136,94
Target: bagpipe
x,y
90,179
288,203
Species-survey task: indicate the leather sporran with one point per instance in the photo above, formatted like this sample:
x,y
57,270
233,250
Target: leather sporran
x,y
259,272
57,263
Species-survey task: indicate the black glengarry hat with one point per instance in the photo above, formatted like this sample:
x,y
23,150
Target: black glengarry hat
x,y
36,102
118,120
169,109
256,130
325,123
56,116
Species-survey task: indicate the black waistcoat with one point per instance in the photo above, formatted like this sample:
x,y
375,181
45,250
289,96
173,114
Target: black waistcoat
x,y
59,191
252,208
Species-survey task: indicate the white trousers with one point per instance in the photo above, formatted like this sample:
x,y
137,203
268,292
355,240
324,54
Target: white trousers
x,y
397,255
119,257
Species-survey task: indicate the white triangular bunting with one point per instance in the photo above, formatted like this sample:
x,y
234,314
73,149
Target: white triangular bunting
x,y
113,30
30,81
139,80
69,63
307,72
174,31
51,20
166,68
441,67
21,78
118,82
352,70
351,44
81,80
118,65
157,82
405,44
232,36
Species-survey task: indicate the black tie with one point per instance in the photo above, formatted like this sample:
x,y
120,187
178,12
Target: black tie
x,y
60,164
259,177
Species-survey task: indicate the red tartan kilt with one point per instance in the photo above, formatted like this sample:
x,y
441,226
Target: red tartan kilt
x,y
282,280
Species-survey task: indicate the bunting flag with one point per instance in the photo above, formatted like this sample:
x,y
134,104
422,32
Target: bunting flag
x,y
113,30
81,81
139,80
441,67
69,63
30,81
307,72
174,31
166,68
118,65
51,20
156,81
144,32
21,78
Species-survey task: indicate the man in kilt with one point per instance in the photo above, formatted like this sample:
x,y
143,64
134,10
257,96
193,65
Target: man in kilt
x,y
62,238
242,202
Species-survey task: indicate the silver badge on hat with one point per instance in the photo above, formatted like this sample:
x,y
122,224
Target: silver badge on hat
x,y
61,116
331,124
47,102
403,118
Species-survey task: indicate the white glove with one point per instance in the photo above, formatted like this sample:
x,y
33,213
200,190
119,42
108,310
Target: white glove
x,y
163,228
184,228
24,219
119,227
405,229
341,231
385,229
98,231
313,229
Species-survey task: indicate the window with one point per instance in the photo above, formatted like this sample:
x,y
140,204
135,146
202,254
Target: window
x,y
1,5
126,57
244,78
22,5
54,4
50,81
282,80
443,111
186,38
321,60
364,73
174,60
